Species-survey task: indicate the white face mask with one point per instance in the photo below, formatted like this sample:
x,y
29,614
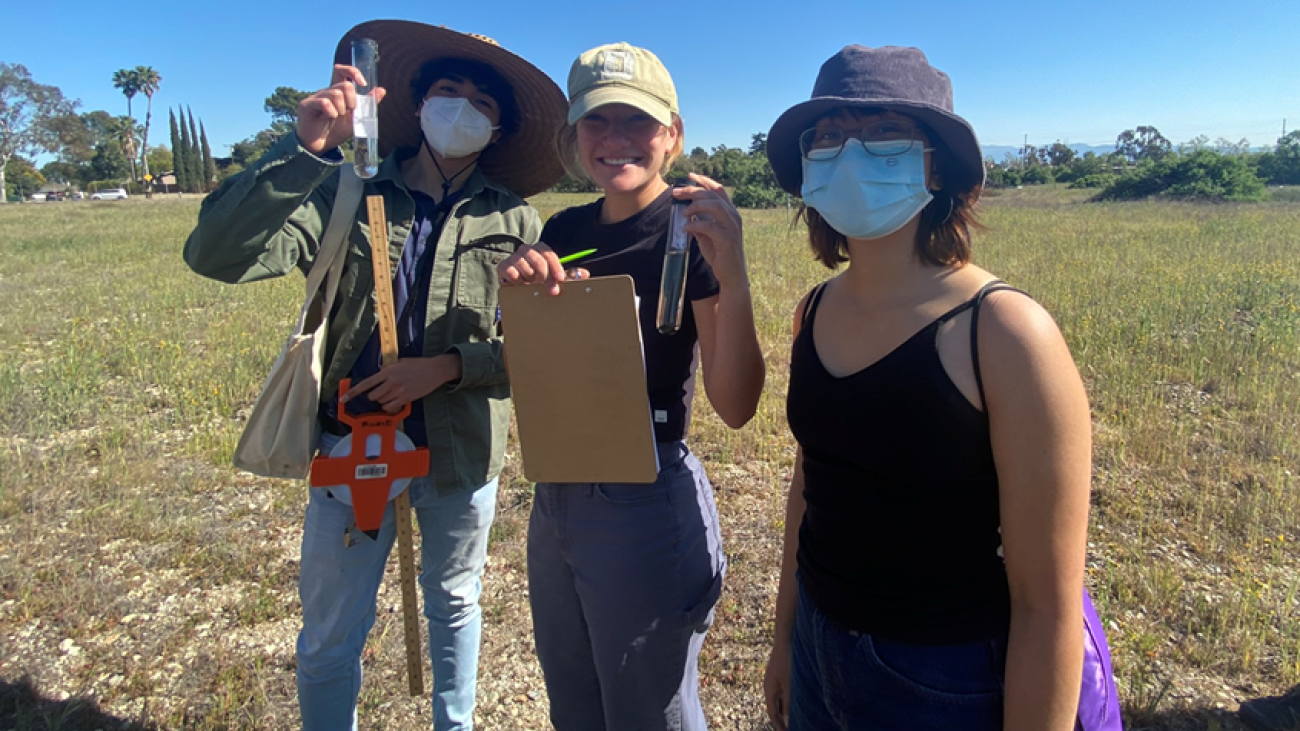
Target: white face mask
x,y
864,196
454,127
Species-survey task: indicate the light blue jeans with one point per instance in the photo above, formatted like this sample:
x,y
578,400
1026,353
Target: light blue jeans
x,y
338,587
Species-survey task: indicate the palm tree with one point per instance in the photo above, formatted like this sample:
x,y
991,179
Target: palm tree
x,y
123,129
147,80
128,81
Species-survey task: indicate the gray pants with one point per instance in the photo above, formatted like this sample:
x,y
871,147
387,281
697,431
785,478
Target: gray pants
x,y
623,580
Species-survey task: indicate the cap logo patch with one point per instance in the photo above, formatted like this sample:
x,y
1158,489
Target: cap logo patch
x,y
618,66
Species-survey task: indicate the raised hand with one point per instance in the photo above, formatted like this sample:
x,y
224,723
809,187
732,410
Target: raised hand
x,y
716,225
325,118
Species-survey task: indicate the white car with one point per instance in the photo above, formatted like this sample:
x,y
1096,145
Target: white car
x,y
110,194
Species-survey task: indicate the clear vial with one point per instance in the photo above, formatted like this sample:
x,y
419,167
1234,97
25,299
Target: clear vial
x,y
672,287
365,118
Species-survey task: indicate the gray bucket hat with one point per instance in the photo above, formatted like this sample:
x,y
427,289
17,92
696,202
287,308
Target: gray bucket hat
x,y
894,78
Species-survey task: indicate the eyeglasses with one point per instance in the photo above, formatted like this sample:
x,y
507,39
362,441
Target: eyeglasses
x,y
882,138
639,126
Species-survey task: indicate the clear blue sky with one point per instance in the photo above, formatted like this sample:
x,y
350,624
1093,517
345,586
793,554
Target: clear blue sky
x,y
1075,72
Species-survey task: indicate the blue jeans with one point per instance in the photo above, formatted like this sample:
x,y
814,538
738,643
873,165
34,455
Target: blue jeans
x,y
622,581
848,681
338,587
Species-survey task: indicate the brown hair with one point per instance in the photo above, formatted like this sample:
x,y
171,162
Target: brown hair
x,y
943,237
566,144
487,79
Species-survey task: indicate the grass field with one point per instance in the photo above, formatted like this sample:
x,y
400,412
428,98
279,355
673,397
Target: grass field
x,y
146,584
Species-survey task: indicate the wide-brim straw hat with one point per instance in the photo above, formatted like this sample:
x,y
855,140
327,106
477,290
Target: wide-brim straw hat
x,y
524,161
893,78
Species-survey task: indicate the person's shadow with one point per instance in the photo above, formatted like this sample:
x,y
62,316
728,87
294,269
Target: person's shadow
x,y
1272,713
23,709
1267,713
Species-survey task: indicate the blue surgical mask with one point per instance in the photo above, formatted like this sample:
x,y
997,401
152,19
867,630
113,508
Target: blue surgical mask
x,y
864,196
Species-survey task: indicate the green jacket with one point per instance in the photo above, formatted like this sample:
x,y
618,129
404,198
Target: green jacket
x,y
269,220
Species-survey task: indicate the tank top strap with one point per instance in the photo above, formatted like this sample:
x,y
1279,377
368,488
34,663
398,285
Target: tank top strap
x,y
995,285
941,319
814,299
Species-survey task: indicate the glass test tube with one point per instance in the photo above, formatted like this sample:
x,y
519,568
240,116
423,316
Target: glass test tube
x,y
365,118
672,287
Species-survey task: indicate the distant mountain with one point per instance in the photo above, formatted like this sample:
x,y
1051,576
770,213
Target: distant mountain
x,y
999,152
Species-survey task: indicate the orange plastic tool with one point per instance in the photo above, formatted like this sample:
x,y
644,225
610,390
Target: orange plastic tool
x,y
370,479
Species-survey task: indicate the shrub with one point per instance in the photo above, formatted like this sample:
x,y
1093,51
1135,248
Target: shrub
x,y
1095,180
1037,175
758,196
1002,177
1203,175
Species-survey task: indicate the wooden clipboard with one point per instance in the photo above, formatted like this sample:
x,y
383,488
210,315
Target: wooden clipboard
x,y
577,375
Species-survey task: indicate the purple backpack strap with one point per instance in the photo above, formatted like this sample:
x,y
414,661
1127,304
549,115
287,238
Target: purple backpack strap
x,y
1098,701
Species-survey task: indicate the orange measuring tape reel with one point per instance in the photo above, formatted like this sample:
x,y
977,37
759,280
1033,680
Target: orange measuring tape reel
x,y
378,467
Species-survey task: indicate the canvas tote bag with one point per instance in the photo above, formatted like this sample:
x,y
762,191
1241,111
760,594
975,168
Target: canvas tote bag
x,y
280,437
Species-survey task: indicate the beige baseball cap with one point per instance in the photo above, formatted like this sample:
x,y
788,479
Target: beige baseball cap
x,y
620,73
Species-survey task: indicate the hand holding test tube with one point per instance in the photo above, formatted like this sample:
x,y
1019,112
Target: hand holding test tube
x,y
365,118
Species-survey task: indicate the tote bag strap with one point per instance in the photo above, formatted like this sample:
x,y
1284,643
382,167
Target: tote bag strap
x,y
328,266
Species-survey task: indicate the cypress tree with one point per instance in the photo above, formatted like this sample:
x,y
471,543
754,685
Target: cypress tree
x,y
178,154
209,165
196,157
183,153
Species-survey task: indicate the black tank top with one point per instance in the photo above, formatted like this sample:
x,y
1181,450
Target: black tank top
x,y
900,537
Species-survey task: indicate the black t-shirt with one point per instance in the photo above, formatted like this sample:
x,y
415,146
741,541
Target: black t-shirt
x,y
635,247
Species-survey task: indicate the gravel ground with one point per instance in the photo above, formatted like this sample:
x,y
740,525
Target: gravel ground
x,y
103,628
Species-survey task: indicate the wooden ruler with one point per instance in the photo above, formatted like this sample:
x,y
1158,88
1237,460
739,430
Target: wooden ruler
x,y
402,504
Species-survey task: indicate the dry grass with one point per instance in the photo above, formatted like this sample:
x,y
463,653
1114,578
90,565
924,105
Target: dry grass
x,y
145,584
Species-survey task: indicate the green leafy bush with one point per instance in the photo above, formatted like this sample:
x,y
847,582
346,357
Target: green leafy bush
x,y
1203,175
758,196
1095,180
1000,176
1037,175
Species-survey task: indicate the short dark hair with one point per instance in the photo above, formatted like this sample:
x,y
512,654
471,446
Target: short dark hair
x,y
487,79
947,222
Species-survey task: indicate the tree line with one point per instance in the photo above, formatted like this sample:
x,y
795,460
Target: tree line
x,y
95,149
746,172
1146,164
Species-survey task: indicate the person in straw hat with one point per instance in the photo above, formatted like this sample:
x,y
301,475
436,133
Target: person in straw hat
x,y
465,133
623,578
937,518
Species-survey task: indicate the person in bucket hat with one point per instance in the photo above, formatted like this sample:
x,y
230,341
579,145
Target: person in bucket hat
x,y
936,523
465,132
623,579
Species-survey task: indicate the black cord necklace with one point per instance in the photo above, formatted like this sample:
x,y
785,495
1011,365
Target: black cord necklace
x,y
446,181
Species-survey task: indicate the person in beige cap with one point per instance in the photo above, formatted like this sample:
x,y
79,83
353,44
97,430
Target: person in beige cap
x,y
623,578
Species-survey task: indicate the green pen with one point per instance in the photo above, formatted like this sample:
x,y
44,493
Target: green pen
x,y
577,256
